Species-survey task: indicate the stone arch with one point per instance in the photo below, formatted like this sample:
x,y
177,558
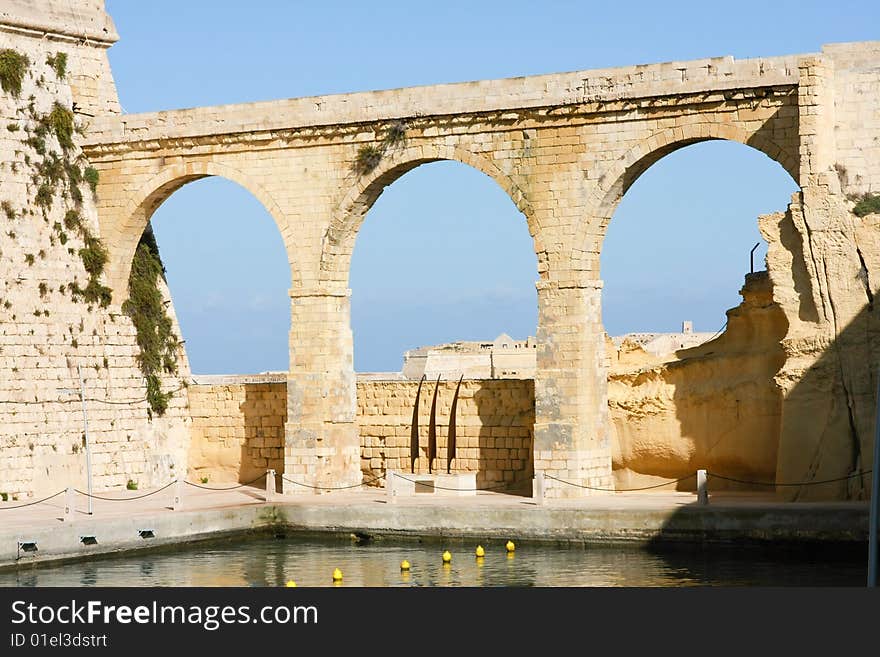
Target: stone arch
x,y
348,217
122,237
616,180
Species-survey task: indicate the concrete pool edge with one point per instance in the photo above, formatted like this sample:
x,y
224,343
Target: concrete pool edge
x,y
764,523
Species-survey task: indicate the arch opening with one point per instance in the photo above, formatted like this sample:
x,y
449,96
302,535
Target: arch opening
x,y
230,295
442,278
694,334
420,245
212,247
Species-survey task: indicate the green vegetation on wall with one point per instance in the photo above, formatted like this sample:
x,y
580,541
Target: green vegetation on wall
x,y
369,155
58,62
60,121
146,308
13,66
56,176
868,204
90,175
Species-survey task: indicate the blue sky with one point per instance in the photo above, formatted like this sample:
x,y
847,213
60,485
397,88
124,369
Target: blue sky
x,y
444,254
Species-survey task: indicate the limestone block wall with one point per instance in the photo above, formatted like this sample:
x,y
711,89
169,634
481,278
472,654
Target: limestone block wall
x,y
448,364
84,31
495,427
238,427
45,332
854,70
565,147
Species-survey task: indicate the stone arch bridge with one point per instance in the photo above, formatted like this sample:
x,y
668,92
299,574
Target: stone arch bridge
x,y
565,147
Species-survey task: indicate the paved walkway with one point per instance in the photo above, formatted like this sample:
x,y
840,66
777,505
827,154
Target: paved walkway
x,y
127,504
620,516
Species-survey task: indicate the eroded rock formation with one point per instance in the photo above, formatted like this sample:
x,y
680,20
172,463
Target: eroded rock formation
x,y
715,406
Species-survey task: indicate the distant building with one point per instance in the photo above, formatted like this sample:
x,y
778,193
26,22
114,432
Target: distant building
x,y
502,358
662,344
506,358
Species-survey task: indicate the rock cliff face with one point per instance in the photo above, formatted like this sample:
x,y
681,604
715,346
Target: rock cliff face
x,y
715,406
55,314
824,264
787,393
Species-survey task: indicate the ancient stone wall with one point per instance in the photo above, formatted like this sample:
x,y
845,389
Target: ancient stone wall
x,y
238,427
84,31
856,88
47,329
495,421
565,147
238,433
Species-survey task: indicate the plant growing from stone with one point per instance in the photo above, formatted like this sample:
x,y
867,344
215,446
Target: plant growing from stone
x,y
90,174
13,66
369,155
146,308
58,62
868,204
368,158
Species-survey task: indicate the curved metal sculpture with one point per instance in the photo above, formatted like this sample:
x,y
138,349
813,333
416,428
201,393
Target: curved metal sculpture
x,y
432,429
450,442
414,431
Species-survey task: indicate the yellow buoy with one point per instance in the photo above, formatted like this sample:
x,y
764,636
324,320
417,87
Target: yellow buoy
x,y
481,561
510,546
404,565
480,551
447,557
337,575
290,584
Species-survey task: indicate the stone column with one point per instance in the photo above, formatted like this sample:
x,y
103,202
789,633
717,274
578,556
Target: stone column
x,y
571,399
322,447
816,122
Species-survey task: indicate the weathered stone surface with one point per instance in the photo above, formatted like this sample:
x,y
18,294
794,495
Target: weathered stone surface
x,y
238,433
565,147
44,333
715,406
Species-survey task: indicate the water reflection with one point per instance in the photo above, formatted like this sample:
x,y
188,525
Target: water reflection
x,y
271,562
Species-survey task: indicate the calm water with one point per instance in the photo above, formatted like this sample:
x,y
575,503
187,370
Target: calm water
x,y
264,561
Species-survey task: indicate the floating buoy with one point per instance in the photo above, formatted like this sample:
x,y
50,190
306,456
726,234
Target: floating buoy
x,y
337,575
290,584
510,546
447,558
404,565
480,552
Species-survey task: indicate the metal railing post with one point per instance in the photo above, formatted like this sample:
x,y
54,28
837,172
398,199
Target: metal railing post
x,y
538,488
270,485
68,504
702,487
177,497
